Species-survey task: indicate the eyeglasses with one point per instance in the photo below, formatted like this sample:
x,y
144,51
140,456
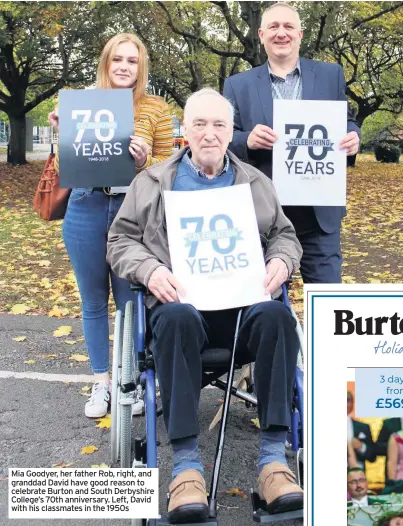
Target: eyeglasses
x,y
355,482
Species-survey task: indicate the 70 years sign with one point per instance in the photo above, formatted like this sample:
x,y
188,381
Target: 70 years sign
x,y
215,247
309,169
95,129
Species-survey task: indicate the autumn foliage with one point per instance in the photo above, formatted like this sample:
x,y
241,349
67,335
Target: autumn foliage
x,y
36,276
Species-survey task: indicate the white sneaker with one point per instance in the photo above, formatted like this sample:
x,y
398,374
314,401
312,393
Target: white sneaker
x,y
97,405
138,405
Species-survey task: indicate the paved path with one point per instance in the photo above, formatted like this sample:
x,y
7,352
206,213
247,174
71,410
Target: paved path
x,y
42,421
40,153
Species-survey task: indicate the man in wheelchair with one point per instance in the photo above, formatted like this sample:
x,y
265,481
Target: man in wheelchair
x,y
138,251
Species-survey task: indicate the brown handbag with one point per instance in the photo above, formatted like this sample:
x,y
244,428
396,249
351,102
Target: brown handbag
x,y
50,201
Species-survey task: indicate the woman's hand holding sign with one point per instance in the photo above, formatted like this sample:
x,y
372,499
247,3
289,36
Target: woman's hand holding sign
x,y
53,118
164,286
139,150
277,273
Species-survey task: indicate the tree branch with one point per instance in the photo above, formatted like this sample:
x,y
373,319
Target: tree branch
x,y
4,96
43,96
223,6
397,5
183,33
323,20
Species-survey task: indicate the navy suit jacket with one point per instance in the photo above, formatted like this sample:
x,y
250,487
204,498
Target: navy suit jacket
x,y
250,93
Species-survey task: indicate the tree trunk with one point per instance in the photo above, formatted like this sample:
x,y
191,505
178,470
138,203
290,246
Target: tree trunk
x,y
16,144
364,111
254,51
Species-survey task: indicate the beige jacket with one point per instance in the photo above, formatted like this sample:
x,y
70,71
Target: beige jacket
x,y
138,243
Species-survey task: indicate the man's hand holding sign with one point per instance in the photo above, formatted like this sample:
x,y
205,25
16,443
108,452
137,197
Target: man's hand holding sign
x,y
288,77
262,137
350,143
277,273
166,287
216,251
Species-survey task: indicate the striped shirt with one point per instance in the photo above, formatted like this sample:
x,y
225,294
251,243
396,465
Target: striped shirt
x,y
152,122
286,87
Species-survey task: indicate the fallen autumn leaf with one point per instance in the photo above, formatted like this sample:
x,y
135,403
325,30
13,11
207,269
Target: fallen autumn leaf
x,y
236,492
255,422
58,312
19,309
88,450
20,339
63,330
104,423
79,358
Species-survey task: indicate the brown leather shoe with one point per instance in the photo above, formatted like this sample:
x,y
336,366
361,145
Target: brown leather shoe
x,y
188,500
277,486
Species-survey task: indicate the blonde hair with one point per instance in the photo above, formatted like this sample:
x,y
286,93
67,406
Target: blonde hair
x,y
108,52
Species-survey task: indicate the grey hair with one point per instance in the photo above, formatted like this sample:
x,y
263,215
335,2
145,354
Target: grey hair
x,y
283,4
208,91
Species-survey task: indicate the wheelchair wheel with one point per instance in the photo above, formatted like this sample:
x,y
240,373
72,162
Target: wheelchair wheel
x,y
127,377
300,467
116,380
300,333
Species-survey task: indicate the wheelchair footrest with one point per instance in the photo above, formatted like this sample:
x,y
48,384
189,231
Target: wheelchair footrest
x,y
163,521
260,513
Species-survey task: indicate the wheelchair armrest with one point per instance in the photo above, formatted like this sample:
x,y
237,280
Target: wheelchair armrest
x,y
138,287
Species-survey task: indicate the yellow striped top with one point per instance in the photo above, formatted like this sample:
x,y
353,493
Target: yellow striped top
x,y
152,122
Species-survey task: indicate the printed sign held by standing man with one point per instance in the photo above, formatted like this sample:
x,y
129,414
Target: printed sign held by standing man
x,y
95,130
309,169
215,247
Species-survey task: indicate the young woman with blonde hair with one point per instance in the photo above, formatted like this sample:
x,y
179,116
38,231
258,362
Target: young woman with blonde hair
x,y
91,211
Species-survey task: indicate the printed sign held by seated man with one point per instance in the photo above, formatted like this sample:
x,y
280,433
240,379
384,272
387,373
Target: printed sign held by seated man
x,y
215,247
94,136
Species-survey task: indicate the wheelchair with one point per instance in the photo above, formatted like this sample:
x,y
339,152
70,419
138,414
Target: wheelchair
x,y
133,368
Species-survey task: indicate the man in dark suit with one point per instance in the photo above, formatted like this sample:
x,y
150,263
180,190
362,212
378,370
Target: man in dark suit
x,y
288,76
360,436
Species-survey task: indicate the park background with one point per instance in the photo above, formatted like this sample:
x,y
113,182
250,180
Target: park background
x,y
48,46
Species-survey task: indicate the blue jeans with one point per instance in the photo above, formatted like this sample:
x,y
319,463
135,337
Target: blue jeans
x,y
88,218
